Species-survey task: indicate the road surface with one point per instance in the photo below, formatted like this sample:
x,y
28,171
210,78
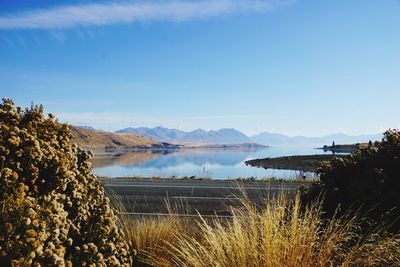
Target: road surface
x,y
188,197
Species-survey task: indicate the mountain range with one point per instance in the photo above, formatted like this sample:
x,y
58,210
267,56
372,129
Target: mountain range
x,y
222,136
281,140
233,136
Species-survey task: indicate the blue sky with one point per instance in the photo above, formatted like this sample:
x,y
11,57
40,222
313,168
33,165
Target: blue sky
x,y
301,67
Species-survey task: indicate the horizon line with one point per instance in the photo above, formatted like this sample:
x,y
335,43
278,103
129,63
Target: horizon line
x,y
233,128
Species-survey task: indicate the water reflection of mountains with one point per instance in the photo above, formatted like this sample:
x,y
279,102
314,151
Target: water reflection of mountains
x,y
167,158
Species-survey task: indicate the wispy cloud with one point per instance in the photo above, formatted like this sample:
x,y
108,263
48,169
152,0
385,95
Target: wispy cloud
x,y
72,16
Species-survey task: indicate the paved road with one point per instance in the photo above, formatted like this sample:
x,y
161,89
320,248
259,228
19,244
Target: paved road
x,y
145,196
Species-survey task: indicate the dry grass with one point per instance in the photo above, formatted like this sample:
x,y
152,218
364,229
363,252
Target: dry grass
x,y
100,139
151,236
278,234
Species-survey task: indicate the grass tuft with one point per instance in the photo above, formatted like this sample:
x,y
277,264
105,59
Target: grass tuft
x,y
277,234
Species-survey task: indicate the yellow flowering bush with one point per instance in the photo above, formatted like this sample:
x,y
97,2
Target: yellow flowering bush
x,y
53,211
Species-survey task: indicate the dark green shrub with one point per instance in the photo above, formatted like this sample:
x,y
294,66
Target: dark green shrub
x,y
367,181
53,211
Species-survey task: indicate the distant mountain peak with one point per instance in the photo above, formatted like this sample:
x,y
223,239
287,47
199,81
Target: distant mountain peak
x,y
198,136
281,140
234,136
87,127
199,131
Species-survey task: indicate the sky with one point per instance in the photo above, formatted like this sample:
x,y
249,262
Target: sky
x,y
299,67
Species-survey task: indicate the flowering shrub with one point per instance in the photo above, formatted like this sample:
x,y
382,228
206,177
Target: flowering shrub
x,y
52,209
367,181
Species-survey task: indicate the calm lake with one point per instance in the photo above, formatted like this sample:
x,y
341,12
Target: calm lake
x,y
200,162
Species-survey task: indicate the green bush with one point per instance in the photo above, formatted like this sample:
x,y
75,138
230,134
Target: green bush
x,y
53,211
367,181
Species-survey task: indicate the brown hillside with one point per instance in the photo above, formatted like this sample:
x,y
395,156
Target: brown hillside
x,y
100,139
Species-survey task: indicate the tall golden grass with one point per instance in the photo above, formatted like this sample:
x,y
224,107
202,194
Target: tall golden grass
x,y
151,236
277,234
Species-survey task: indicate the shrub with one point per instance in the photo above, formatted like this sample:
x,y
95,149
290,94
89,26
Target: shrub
x,y
52,209
367,181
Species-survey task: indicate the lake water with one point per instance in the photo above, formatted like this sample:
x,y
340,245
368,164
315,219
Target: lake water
x,y
199,162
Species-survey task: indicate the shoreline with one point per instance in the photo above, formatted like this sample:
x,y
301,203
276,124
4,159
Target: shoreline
x,y
173,147
308,163
106,179
350,148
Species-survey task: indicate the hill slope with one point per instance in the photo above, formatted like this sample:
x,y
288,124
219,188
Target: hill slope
x,y
88,138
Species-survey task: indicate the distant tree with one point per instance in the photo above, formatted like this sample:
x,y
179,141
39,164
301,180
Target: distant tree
x,y
333,144
370,144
